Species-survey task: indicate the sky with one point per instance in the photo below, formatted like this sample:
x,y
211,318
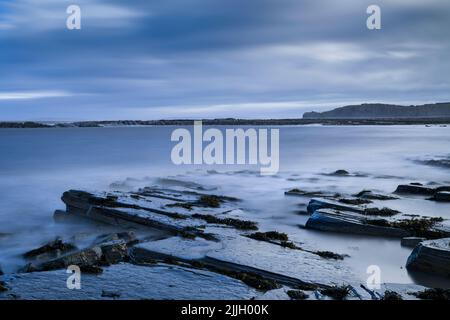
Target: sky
x,y
169,59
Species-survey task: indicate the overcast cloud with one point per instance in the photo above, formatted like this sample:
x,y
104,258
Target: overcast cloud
x,y
217,58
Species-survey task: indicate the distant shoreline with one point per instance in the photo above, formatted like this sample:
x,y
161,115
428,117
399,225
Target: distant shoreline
x,y
230,122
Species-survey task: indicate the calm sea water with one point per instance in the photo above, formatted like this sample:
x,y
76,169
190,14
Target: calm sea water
x,y
38,165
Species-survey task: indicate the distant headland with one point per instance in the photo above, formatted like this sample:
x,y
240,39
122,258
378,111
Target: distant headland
x,y
362,114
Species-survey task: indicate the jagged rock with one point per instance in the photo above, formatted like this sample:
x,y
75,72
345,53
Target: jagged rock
x,y
443,196
432,257
348,222
127,236
89,256
114,251
415,189
411,242
50,250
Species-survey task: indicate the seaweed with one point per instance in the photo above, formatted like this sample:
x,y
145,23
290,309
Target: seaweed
x,y
330,255
356,201
391,296
210,201
184,205
270,235
384,212
419,227
337,292
297,295
289,244
236,223
252,279
433,294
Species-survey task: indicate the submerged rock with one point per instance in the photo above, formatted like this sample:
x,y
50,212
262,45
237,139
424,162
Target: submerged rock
x,y
432,257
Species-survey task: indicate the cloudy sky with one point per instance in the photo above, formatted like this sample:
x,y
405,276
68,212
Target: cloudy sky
x,y
147,59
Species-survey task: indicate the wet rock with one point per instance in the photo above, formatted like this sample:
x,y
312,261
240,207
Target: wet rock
x,y
340,172
337,292
297,295
443,196
415,189
427,227
161,282
114,252
270,235
1,271
232,222
347,222
126,236
433,294
87,257
320,203
391,296
3,287
303,193
431,256
355,201
91,269
110,294
50,250
383,212
411,242
367,194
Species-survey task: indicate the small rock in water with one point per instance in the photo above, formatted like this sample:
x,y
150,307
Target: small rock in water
x,y
50,250
337,292
110,294
340,172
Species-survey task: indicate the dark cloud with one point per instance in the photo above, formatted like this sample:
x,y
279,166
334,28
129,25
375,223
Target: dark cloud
x,y
247,58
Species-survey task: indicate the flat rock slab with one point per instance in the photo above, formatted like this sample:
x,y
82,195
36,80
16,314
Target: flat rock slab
x,y
415,189
348,222
431,256
243,254
129,282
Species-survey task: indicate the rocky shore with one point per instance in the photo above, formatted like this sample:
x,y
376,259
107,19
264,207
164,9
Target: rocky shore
x,y
182,241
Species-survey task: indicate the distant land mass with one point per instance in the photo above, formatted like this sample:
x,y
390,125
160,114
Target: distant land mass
x,y
384,111
363,114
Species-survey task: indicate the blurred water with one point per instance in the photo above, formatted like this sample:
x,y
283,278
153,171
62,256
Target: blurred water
x,y
38,165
